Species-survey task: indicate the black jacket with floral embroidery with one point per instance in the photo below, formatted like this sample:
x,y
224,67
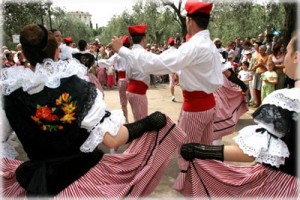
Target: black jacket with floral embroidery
x,y
48,125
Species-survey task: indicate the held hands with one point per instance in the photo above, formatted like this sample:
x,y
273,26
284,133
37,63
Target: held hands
x,y
116,44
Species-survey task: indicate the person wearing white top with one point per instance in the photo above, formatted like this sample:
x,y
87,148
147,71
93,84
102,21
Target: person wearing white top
x,y
200,74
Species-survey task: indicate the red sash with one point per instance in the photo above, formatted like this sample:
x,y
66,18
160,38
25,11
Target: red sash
x,y
121,74
197,101
137,87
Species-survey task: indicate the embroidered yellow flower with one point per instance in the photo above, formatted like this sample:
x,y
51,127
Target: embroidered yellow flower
x,y
51,119
68,118
65,97
69,108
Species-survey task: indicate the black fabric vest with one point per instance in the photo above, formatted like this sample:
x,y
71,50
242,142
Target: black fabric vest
x,y
48,126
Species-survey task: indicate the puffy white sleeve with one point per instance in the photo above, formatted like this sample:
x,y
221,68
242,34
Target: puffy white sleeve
x,y
100,121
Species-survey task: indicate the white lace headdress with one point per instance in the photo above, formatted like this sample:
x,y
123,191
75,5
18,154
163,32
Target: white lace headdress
x,y
263,141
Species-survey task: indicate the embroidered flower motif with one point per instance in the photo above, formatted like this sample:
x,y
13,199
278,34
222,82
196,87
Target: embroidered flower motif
x,y
51,119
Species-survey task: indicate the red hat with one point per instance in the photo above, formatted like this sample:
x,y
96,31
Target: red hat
x,y
171,41
68,40
196,6
125,39
137,30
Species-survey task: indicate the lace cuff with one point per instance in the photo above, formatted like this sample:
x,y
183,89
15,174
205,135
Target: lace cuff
x,y
261,145
110,125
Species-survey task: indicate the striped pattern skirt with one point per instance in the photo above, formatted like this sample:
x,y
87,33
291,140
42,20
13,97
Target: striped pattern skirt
x,y
214,179
134,173
230,106
198,126
139,105
101,75
122,85
93,79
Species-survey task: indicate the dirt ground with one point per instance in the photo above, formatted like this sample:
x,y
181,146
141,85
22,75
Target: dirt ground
x,y
159,98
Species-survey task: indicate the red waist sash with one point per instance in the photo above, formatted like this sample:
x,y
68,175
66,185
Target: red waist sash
x,y
137,87
197,101
122,74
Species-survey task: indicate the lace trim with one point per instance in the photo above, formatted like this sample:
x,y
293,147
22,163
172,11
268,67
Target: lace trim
x,y
88,104
262,146
110,125
276,120
286,98
47,74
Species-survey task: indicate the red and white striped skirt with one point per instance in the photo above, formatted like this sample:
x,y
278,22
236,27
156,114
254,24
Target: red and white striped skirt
x,y
134,173
230,106
139,105
211,178
122,85
93,79
198,126
101,75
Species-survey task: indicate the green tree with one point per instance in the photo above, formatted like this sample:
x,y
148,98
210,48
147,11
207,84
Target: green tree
x,y
17,14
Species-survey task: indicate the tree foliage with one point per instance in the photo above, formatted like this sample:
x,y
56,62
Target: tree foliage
x,y
230,19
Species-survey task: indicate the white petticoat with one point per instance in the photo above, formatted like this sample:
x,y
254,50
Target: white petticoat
x,y
110,125
262,146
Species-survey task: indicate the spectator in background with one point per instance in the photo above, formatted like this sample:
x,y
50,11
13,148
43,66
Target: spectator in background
x,y
260,66
277,57
269,80
246,76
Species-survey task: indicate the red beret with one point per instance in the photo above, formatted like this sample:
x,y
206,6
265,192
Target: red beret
x,y
125,39
196,6
68,40
171,41
137,30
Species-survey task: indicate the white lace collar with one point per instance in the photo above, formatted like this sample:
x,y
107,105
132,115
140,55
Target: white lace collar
x,y
285,98
47,74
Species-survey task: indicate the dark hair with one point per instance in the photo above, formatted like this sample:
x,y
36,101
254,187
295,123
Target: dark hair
x,y
126,45
201,21
82,45
248,43
136,39
276,48
37,43
54,30
246,63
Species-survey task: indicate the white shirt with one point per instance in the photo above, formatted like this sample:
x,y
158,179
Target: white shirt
x,y
117,61
198,61
134,71
244,75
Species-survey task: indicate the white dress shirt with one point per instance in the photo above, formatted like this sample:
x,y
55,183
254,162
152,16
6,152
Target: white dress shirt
x,y
198,63
134,72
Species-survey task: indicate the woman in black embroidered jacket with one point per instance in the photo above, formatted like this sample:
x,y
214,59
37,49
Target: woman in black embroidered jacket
x,y
60,119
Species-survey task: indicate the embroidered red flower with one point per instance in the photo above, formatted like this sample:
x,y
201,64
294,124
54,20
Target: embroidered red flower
x,y
45,114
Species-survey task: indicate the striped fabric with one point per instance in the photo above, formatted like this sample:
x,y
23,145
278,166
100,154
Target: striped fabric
x,y
198,126
228,181
122,85
230,106
134,173
93,79
139,105
101,75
